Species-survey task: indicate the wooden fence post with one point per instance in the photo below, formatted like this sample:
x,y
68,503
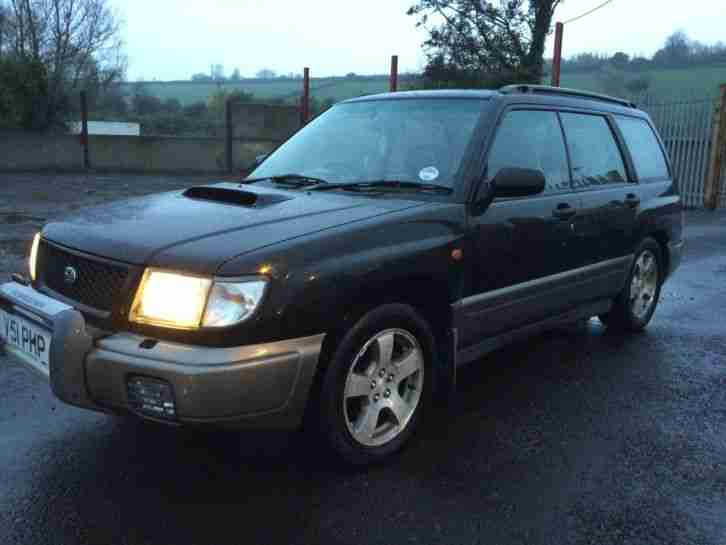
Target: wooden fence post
x,y
718,148
228,134
84,129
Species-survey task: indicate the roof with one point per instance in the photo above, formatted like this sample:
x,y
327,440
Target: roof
x,y
443,93
537,93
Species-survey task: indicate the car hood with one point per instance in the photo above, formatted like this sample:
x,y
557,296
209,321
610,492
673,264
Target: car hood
x,y
176,230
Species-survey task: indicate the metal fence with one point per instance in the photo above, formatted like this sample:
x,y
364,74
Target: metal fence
x,y
686,127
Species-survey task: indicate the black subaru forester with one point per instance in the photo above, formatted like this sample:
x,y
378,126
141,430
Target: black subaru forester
x,y
391,240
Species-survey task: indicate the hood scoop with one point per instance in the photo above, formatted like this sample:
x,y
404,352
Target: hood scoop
x,y
237,197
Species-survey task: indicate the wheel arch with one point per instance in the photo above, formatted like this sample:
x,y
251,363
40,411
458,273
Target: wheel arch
x,y
429,296
661,237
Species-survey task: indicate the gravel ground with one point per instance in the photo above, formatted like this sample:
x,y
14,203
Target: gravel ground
x,y
578,436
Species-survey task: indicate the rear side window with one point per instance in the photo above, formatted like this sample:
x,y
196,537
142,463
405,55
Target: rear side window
x,y
596,158
531,139
644,148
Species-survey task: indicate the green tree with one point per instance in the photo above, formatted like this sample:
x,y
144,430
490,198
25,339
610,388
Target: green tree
x,y
486,41
23,93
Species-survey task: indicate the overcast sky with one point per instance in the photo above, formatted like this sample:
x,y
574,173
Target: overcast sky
x,y
173,39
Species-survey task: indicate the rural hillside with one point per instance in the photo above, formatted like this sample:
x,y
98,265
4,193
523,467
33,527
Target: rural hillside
x,y
665,84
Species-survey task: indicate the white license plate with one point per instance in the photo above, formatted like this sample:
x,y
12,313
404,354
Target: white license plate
x,y
26,339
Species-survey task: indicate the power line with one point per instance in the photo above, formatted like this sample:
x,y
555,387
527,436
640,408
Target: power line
x,y
593,10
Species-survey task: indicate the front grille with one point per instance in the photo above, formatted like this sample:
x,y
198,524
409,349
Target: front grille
x,y
97,284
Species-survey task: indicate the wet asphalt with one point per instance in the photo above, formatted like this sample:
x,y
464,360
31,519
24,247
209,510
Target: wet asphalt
x,y
578,436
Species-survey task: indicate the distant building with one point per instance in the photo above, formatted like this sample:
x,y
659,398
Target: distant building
x,y
108,128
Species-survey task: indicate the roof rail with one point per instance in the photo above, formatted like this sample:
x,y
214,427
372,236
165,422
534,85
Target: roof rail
x,y
548,90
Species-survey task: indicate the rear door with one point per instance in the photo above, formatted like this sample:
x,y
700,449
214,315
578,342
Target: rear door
x,y
605,225
660,205
521,245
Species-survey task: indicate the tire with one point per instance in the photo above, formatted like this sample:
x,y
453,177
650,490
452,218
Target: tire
x,y
370,405
634,307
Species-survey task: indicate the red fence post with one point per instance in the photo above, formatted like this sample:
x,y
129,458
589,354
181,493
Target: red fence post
x,y
305,106
84,129
394,74
557,60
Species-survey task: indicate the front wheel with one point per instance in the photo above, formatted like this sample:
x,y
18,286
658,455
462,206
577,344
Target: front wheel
x,y
633,309
377,384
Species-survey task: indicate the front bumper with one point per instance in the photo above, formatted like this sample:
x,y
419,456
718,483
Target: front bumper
x,y
259,386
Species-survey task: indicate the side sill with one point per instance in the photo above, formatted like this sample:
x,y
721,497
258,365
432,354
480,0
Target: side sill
x,y
473,353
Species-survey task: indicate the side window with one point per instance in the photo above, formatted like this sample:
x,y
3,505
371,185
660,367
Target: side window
x,y
531,139
596,159
644,148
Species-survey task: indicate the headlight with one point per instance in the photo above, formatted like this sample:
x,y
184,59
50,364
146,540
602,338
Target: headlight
x,y
170,299
33,256
184,301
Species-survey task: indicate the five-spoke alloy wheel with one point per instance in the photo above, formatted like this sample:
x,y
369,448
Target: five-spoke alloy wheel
x,y
634,307
383,387
643,284
377,383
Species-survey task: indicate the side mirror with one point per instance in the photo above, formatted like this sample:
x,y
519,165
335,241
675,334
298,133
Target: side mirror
x,y
518,182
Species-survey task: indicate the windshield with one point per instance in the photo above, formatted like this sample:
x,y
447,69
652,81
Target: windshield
x,y
409,140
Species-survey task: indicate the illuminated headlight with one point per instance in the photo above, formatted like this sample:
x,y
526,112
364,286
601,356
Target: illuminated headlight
x,y
184,301
32,261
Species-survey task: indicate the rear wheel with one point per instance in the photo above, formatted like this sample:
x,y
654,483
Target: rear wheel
x,y
633,309
377,384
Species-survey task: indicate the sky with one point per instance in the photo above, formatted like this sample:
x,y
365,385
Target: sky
x,y
173,39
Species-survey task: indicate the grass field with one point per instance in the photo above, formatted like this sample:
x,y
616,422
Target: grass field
x,y
189,92
666,84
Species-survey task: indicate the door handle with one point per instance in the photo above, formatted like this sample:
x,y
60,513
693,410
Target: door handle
x,y
632,200
564,211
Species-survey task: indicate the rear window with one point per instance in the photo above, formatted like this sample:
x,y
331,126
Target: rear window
x,y
595,156
644,148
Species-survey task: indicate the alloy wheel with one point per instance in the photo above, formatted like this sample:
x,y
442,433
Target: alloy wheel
x,y
644,284
383,387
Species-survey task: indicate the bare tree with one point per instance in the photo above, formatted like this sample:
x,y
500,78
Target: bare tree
x,y
77,42
4,13
495,37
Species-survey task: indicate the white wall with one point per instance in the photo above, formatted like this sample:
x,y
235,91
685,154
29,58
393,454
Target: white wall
x,y
108,128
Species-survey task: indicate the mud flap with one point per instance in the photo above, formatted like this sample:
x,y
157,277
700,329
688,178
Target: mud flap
x,y
446,375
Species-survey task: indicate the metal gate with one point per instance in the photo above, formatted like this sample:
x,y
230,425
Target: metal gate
x,y
686,128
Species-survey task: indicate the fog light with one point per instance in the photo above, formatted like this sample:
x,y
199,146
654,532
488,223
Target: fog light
x,y
151,396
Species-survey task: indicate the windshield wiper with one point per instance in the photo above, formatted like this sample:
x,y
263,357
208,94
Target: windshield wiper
x,y
382,185
292,180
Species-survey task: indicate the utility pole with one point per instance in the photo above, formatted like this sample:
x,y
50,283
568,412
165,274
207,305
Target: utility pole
x,y
557,60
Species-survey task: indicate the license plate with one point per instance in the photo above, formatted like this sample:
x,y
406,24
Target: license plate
x,y
26,339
